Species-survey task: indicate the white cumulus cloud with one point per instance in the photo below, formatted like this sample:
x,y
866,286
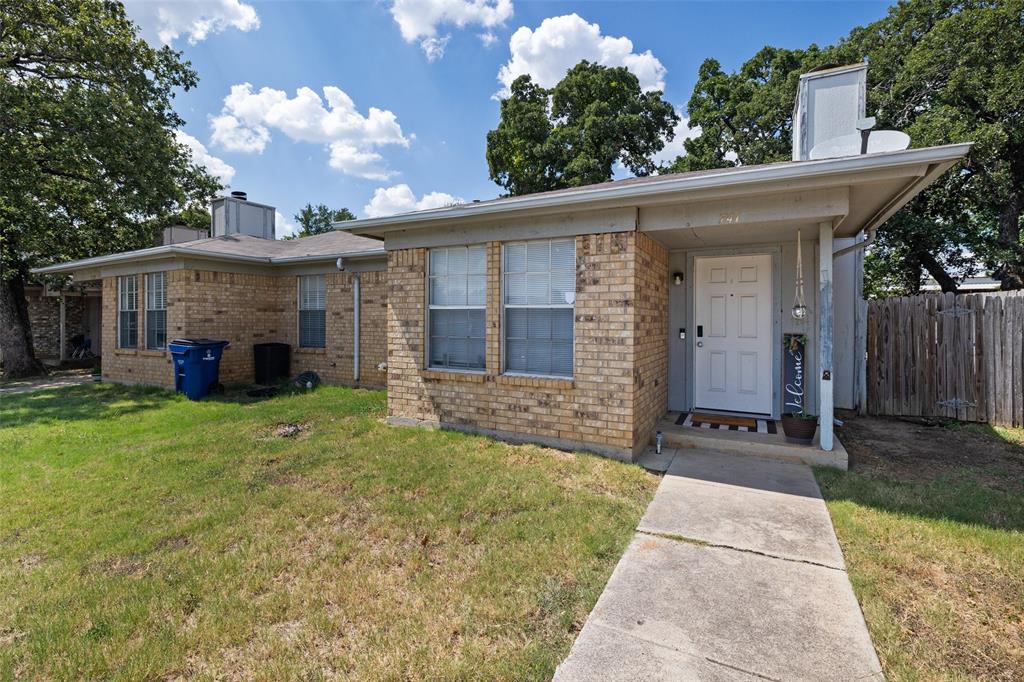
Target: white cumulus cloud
x,y
559,43
247,118
284,227
400,199
675,148
217,167
418,20
168,20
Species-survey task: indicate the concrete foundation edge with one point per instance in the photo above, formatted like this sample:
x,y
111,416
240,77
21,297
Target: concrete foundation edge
x,y
619,454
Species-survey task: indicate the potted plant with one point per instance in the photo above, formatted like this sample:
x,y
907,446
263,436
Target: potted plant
x,y
796,424
799,426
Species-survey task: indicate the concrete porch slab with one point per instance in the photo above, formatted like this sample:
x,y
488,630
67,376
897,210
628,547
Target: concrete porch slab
x,y
652,461
769,445
689,611
747,503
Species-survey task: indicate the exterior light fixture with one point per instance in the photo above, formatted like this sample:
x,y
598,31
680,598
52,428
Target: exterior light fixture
x,y
677,278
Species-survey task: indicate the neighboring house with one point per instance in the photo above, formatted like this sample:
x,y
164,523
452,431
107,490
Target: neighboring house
x,y
579,317
244,289
576,318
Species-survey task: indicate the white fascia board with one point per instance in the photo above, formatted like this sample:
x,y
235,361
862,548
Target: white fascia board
x,y
330,256
734,178
144,255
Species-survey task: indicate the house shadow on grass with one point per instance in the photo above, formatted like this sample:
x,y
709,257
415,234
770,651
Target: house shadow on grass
x,y
970,476
75,403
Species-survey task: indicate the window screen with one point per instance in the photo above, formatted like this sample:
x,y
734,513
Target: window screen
x,y
156,310
312,311
128,311
457,312
540,298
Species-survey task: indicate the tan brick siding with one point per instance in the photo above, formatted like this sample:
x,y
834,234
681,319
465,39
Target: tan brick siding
x,y
245,309
650,371
597,406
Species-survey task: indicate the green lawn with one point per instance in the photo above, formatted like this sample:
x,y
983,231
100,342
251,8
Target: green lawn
x,y
930,522
143,536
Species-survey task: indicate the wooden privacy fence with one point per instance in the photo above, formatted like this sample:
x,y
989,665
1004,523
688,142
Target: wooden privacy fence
x,y
945,355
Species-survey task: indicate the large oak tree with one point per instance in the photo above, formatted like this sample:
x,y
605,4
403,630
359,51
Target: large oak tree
x,y
87,144
574,133
944,71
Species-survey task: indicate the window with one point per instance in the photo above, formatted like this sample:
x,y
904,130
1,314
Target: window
x,y
156,310
128,311
312,311
457,313
540,298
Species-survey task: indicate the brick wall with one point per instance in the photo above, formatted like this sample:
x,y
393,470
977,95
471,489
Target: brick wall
x,y
615,373
245,309
650,370
44,319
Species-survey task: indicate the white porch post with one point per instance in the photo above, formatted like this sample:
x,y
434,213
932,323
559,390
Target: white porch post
x,y
63,328
825,325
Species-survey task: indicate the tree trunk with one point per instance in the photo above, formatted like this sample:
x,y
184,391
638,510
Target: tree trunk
x,y
935,269
1011,273
15,330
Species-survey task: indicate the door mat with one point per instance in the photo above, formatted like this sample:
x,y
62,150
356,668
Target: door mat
x,y
724,422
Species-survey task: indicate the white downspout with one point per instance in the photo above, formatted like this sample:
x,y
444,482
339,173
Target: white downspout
x,y
355,327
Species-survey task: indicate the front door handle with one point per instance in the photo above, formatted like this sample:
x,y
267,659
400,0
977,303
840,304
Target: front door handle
x,y
700,344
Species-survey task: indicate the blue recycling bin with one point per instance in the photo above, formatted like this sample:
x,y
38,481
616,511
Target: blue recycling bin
x,y
196,365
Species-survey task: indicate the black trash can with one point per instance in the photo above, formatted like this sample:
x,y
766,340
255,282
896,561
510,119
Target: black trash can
x,y
272,362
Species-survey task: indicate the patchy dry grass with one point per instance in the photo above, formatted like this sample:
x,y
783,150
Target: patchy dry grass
x,y
931,522
146,537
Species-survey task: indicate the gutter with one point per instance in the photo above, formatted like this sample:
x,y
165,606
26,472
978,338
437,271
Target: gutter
x,y
156,252
740,176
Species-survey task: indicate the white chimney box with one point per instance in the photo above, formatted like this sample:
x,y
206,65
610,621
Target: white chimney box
x,y
828,105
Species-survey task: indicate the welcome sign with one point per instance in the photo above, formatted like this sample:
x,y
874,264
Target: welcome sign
x,y
794,349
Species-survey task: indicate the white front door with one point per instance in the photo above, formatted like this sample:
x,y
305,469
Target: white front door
x,y
732,340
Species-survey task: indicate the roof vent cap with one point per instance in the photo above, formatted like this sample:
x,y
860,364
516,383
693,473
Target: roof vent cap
x,y
238,194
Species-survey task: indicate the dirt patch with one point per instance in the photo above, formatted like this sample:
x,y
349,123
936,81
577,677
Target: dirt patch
x,y
290,430
173,542
920,452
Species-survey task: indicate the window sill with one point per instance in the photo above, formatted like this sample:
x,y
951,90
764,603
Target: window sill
x,y
536,381
152,353
454,375
126,351
311,351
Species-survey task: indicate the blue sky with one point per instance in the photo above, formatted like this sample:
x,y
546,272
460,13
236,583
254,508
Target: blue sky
x,y
384,106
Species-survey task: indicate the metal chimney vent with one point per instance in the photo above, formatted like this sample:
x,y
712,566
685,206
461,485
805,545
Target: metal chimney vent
x,y
237,215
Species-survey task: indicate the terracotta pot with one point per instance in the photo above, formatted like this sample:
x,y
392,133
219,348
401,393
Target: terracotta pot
x,y
798,428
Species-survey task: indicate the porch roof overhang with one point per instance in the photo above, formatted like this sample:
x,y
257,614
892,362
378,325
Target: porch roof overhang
x,y
745,203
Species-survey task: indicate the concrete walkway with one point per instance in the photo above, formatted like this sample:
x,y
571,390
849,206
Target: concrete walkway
x,y
734,573
73,378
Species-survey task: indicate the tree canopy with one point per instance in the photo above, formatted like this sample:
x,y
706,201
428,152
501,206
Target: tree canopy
x,y
87,142
574,133
317,219
943,71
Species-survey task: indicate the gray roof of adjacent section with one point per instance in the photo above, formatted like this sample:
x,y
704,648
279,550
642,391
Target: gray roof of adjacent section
x,y
240,247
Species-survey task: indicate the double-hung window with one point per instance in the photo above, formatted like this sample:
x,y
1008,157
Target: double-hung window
x,y
457,307
539,302
156,310
128,311
312,311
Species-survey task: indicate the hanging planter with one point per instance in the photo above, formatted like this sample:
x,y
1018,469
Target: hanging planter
x,y
799,307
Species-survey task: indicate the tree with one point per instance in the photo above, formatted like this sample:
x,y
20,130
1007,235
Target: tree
x,y
86,138
317,219
573,134
944,71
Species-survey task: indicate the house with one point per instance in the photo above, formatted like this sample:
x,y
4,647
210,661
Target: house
x,y
324,295
579,318
589,317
